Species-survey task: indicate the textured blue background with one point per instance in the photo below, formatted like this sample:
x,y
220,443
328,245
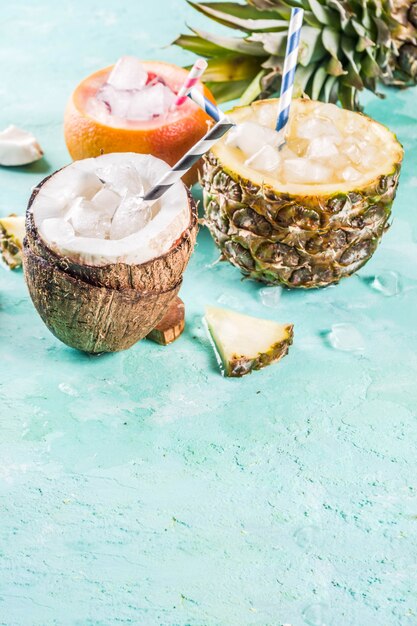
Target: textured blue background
x,y
142,487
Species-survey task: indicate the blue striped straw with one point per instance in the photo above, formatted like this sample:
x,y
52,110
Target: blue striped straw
x,y
290,65
196,96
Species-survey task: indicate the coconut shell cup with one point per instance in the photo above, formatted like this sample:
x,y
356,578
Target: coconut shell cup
x,y
108,308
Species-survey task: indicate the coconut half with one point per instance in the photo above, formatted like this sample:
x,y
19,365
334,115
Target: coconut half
x,y
101,265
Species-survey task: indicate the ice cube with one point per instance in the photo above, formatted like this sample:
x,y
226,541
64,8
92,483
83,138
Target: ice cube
x,y
131,216
350,174
56,230
151,102
128,73
346,337
354,153
99,110
251,137
71,182
387,283
267,159
313,127
339,161
329,111
87,220
271,296
321,147
304,171
107,201
123,179
117,101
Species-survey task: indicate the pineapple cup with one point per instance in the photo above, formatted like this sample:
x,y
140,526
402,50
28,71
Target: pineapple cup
x,y
319,213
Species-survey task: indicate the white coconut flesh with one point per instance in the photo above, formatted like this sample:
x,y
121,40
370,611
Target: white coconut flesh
x,y
92,210
18,147
327,149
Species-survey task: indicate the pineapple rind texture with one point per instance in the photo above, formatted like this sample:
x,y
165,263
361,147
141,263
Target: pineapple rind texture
x,y
237,356
12,231
290,238
240,366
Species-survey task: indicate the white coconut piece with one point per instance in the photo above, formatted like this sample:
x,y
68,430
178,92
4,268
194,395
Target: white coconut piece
x,y
143,235
18,147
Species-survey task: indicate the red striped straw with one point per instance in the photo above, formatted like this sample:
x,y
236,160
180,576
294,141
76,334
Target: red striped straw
x,y
193,77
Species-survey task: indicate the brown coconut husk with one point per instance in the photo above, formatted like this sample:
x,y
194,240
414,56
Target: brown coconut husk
x,y
89,318
103,309
159,274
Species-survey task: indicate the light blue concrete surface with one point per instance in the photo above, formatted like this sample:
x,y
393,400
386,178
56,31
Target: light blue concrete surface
x,y
142,487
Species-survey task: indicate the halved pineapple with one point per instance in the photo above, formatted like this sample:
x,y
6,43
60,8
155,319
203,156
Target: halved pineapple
x,y
12,232
313,212
245,343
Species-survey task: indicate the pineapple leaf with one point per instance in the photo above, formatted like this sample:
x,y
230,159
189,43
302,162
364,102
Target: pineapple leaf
x,y
233,44
344,14
347,97
311,46
322,13
370,67
318,82
244,11
354,76
273,43
302,77
249,25
383,32
231,68
253,90
353,79
334,67
198,46
328,88
228,90
331,41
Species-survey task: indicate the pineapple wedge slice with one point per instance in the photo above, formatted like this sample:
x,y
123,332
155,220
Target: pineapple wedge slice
x,y
12,232
246,343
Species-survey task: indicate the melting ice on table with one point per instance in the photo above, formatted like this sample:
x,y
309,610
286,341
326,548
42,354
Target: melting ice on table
x,y
345,337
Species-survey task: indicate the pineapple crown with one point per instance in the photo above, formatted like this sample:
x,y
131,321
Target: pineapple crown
x,y
346,46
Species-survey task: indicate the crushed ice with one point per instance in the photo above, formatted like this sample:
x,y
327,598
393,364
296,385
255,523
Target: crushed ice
x,y
130,94
321,147
106,205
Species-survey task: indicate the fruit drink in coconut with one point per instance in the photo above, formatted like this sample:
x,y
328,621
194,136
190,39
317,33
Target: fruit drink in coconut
x,y
130,108
102,265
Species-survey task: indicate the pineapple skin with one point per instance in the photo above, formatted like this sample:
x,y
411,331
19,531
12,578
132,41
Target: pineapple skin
x,y
290,240
240,366
10,241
